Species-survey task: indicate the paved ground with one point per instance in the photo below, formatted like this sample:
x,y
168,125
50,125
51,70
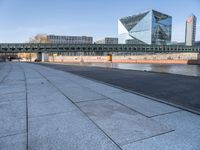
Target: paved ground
x,y
176,89
46,109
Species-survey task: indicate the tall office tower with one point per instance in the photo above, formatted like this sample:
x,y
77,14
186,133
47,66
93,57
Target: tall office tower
x,y
150,27
190,30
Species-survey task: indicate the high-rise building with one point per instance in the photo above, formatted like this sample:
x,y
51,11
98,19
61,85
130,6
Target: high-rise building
x,y
150,27
190,30
108,40
69,39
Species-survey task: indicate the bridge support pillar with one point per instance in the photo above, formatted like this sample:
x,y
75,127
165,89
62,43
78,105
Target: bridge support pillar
x,y
198,57
39,56
44,57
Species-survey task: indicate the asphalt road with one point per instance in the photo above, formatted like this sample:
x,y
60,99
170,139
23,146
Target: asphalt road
x,y
180,90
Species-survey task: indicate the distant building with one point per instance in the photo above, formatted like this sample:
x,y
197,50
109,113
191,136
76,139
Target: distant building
x,y
190,30
174,43
108,40
197,43
150,27
134,41
69,39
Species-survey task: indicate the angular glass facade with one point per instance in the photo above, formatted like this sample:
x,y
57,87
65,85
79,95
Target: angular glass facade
x,y
151,27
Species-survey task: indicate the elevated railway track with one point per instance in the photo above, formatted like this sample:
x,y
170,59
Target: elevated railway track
x,y
49,48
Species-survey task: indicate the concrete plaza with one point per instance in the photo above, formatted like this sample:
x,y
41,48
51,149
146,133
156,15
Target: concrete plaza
x,y
45,109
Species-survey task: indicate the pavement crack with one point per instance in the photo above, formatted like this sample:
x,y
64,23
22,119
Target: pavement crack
x,y
1,137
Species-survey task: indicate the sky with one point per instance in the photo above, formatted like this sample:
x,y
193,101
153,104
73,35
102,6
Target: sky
x,y
22,19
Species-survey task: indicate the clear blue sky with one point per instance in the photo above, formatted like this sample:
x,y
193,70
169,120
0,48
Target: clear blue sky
x,y
22,19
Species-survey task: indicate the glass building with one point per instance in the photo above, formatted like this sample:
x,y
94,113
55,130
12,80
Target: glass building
x,y
190,30
150,27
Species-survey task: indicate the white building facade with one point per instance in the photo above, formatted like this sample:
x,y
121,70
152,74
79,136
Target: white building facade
x,y
108,40
190,30
69,39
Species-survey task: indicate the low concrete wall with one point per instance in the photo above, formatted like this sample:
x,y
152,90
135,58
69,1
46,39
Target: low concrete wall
x,y
178,58
152,61
194,62
199,56
77,59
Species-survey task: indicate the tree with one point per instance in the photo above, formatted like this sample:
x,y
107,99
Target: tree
x,y
39,38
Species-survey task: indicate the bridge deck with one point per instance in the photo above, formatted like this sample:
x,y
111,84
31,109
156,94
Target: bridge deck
x,y
46,47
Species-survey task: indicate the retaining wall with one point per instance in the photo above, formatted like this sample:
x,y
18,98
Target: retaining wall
x,y
77,59
178,58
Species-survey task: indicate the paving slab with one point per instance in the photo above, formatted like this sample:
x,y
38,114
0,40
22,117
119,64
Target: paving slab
x,y
80,80
32,74
78,94
14,108
41,86
11,88
32,90
12,118
141,104
70,131
185,136
45,96
120,123
5,68
105,90
14,84
15,142
17,96
56,103
15,74
48,72
36,81
98,87
63,82
44,99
